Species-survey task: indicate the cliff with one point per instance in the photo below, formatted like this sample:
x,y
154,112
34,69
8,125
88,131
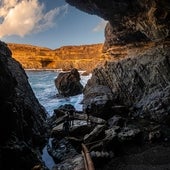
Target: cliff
x,y
133,92
23,125
84,57
130,21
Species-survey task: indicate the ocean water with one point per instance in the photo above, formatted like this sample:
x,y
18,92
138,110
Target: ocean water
x,y
42,83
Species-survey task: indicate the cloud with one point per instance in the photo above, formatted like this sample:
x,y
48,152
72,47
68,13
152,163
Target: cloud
x,y
47,19
100,26
21,17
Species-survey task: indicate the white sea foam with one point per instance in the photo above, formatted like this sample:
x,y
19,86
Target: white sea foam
x,y
42,83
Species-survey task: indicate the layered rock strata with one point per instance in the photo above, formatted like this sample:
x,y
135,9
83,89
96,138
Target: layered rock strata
x,y
68,83
85,57
23,127
135,93
130,21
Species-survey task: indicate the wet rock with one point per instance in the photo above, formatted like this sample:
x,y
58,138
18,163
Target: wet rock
x,y
78,130
151,158
101,154
61,150
116,120
98,99
71,163
60,114
111,133
137,77
155,105
108,140
141,83
127,134
96,134
68,83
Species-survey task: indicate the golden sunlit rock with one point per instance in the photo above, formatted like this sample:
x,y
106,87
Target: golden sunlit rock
x,y
84,57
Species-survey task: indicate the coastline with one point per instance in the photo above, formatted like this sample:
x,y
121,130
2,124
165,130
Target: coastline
x,y
82,72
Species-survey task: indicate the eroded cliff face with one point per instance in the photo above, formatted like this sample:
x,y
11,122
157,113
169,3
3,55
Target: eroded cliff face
x,y
85,57
135,28
23,125
130,21
134,88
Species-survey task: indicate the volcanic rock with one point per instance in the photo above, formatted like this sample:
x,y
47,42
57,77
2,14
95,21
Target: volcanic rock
x,y
68,83
139,79
22,125
130,21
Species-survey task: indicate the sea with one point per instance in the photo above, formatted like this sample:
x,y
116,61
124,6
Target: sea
x,y
42,83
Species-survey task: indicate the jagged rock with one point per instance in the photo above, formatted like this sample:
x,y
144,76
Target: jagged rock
x,y
130,21
139,78
96,134
116,120
141,82
76,163
78,131
61,150
22,124
128,133
101,154
98,99
68,83
111,133
107,142
60,114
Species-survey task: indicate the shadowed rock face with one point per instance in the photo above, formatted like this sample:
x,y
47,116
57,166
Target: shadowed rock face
x,y
68,83
138,82
135,81
22,123
141,82
130,21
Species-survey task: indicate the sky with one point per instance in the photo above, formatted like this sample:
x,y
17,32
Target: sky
x,y
48,23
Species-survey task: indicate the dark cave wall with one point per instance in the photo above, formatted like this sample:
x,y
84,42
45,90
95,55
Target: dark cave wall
x,y
23,120
138,20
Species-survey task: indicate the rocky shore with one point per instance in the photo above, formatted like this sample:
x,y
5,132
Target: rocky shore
x,y
126,113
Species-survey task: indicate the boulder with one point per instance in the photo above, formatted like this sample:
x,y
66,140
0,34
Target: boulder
x,y
61,150
98,99
96,134
116,120
75,162
128,133
68,83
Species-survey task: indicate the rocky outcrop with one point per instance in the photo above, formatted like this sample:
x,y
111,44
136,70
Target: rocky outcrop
x,y
68,83
84,57
22,125
138,82
130,21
